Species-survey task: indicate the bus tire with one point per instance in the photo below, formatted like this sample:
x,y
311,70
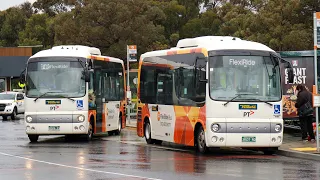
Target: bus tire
x,y
4,118
147,133
14,114
118,131
158,142
33,138
270,151
201,141
90,132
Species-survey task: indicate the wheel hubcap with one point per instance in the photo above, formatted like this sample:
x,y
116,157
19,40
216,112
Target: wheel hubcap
x,y
201,140
147,131
90,131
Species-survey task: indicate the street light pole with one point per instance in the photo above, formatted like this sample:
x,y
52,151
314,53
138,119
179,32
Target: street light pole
x,y
315,25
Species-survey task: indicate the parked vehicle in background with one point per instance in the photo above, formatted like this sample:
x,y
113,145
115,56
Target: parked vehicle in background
x,y
11,104
212,91
74,90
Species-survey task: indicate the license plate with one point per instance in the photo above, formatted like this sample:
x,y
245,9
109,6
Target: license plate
x,y
54,128
248,139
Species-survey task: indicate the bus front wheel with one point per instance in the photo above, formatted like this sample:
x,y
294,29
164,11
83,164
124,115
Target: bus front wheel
x,y
118,131
33,138
201,141
147,133
270,151
90,132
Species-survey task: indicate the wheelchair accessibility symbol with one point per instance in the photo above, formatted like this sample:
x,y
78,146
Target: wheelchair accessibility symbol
x,y
276,109
79,104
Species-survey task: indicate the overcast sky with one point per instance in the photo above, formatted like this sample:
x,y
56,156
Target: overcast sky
x,y
5,4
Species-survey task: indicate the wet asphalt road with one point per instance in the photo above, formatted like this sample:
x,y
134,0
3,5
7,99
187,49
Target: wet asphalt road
x,y
128,157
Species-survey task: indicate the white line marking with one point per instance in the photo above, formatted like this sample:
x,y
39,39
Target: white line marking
x,y
79,168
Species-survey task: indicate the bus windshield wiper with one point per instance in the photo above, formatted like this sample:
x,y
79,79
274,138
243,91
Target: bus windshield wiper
x,y
259,100
237,95
44,95
62,96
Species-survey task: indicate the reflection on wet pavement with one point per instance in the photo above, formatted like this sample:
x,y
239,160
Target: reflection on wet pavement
x,y
128,157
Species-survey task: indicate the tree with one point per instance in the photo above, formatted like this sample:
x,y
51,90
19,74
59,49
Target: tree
x,y
110,25
38,30
277,23
54,7
207,24
14,21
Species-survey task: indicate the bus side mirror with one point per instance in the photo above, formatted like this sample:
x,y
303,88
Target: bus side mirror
x,y
289,68
22,80
86,75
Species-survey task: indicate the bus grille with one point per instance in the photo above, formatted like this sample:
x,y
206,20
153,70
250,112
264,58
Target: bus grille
x,y
2,107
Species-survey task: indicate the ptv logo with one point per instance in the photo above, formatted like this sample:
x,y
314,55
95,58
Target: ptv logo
x,y
248,114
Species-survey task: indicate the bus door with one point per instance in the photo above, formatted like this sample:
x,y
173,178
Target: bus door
x,y
99,104
163,113
112,102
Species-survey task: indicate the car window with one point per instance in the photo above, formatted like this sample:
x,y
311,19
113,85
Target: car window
x,y
20,97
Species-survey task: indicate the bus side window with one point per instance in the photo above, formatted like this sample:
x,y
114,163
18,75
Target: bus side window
x,y
201,69
148,85
164,88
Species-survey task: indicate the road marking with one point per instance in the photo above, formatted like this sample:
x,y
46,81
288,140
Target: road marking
x,y
304,149
79,168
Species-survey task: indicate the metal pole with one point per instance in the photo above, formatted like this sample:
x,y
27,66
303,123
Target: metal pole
x,y
128,85
316,75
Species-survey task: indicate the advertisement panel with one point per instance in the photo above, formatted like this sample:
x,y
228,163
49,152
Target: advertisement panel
x,y
304,74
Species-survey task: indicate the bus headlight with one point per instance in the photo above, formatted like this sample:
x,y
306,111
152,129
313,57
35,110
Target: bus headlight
x,y
8,104
81,118
215,127
277,127
29,119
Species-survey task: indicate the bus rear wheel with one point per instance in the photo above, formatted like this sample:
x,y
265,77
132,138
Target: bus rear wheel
x,y
147,133
33,138
118,131
201,141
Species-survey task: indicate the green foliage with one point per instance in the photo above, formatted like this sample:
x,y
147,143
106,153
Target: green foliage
x,y
13,21
157,24
38,31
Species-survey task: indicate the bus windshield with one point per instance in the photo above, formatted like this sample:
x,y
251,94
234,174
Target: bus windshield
x,y
55,79
257,77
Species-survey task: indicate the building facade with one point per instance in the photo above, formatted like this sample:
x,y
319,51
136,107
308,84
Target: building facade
x,y
12,62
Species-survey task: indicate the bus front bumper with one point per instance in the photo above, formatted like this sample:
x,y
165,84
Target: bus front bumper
x,y
263,133
56,124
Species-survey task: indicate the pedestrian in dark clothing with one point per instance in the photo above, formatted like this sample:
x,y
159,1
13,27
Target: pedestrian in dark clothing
x,y
305,112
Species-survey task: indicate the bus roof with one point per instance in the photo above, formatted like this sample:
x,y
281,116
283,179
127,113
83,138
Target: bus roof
x,y
106,58
212,43
76,51
68,51
209,43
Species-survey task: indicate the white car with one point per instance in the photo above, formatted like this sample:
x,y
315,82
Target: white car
x,y
11,104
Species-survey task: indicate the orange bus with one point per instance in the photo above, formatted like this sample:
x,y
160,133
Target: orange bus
x,y
212,91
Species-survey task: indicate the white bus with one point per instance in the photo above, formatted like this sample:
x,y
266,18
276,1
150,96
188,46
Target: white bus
x,y
212,91
73,90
